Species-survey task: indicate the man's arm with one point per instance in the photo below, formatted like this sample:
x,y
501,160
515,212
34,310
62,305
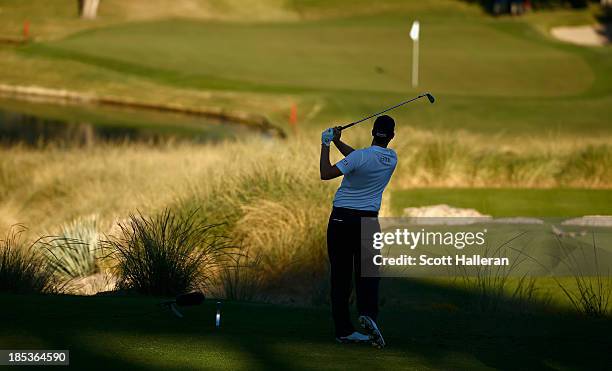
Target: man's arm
x,y
344,148
325,167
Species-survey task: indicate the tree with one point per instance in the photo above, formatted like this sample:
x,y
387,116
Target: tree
x,y
88,8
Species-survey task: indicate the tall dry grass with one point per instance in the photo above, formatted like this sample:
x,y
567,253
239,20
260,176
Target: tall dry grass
x,y
268,191
23,269
47,187
461,159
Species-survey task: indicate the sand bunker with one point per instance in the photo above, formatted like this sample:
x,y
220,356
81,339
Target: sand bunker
x,y
442,211
446,211
518,220
591,221
590,35
470,216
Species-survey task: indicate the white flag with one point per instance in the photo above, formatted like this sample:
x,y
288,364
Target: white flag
x,y
414,31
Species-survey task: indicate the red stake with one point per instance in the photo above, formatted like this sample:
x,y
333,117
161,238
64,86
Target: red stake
x,y
26,29
293,118
293,115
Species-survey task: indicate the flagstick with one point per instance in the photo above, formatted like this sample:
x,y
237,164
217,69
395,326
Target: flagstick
x,y
414,35
415,63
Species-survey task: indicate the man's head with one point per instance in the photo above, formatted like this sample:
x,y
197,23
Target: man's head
x,y
383,130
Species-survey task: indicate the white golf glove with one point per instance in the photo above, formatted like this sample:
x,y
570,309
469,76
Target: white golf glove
x,y
327,136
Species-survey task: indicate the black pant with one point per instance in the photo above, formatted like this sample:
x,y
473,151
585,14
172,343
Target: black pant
x,y
344,251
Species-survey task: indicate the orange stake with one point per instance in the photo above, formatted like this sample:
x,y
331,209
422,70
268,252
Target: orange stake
x,y
26,30
293,118
293,115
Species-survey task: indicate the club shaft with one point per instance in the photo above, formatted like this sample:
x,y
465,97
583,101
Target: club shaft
x,y
378,113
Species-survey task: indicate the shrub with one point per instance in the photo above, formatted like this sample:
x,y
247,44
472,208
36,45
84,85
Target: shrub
x,y
166,254
22,268
74,252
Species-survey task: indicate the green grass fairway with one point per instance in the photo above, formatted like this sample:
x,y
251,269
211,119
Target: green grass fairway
x,y
510,202
491,75
133,333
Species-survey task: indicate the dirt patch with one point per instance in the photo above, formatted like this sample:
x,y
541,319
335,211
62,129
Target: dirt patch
x,y
590,35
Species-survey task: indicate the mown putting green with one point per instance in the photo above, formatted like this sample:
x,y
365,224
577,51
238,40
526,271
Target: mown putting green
x,y
370,54
510,202
492,75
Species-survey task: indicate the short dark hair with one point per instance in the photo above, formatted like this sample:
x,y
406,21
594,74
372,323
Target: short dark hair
x,y
384,129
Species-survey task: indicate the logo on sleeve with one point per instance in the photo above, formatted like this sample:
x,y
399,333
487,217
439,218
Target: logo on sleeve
x,y
384,160
345,162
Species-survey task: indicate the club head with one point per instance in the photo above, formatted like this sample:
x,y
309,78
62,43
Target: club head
x,y
192,298
430,97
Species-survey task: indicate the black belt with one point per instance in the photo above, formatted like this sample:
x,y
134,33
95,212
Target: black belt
x,y
343,211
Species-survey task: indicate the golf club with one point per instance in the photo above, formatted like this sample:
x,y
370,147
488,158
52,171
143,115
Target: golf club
x,y
428,95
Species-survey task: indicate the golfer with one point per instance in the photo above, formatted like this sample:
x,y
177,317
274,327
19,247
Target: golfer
x,y
366,173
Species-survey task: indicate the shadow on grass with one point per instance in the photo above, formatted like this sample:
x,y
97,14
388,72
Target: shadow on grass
x,y
425,324
436,318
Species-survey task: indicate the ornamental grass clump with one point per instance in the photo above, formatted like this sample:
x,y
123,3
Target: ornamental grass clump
x,y
166,254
